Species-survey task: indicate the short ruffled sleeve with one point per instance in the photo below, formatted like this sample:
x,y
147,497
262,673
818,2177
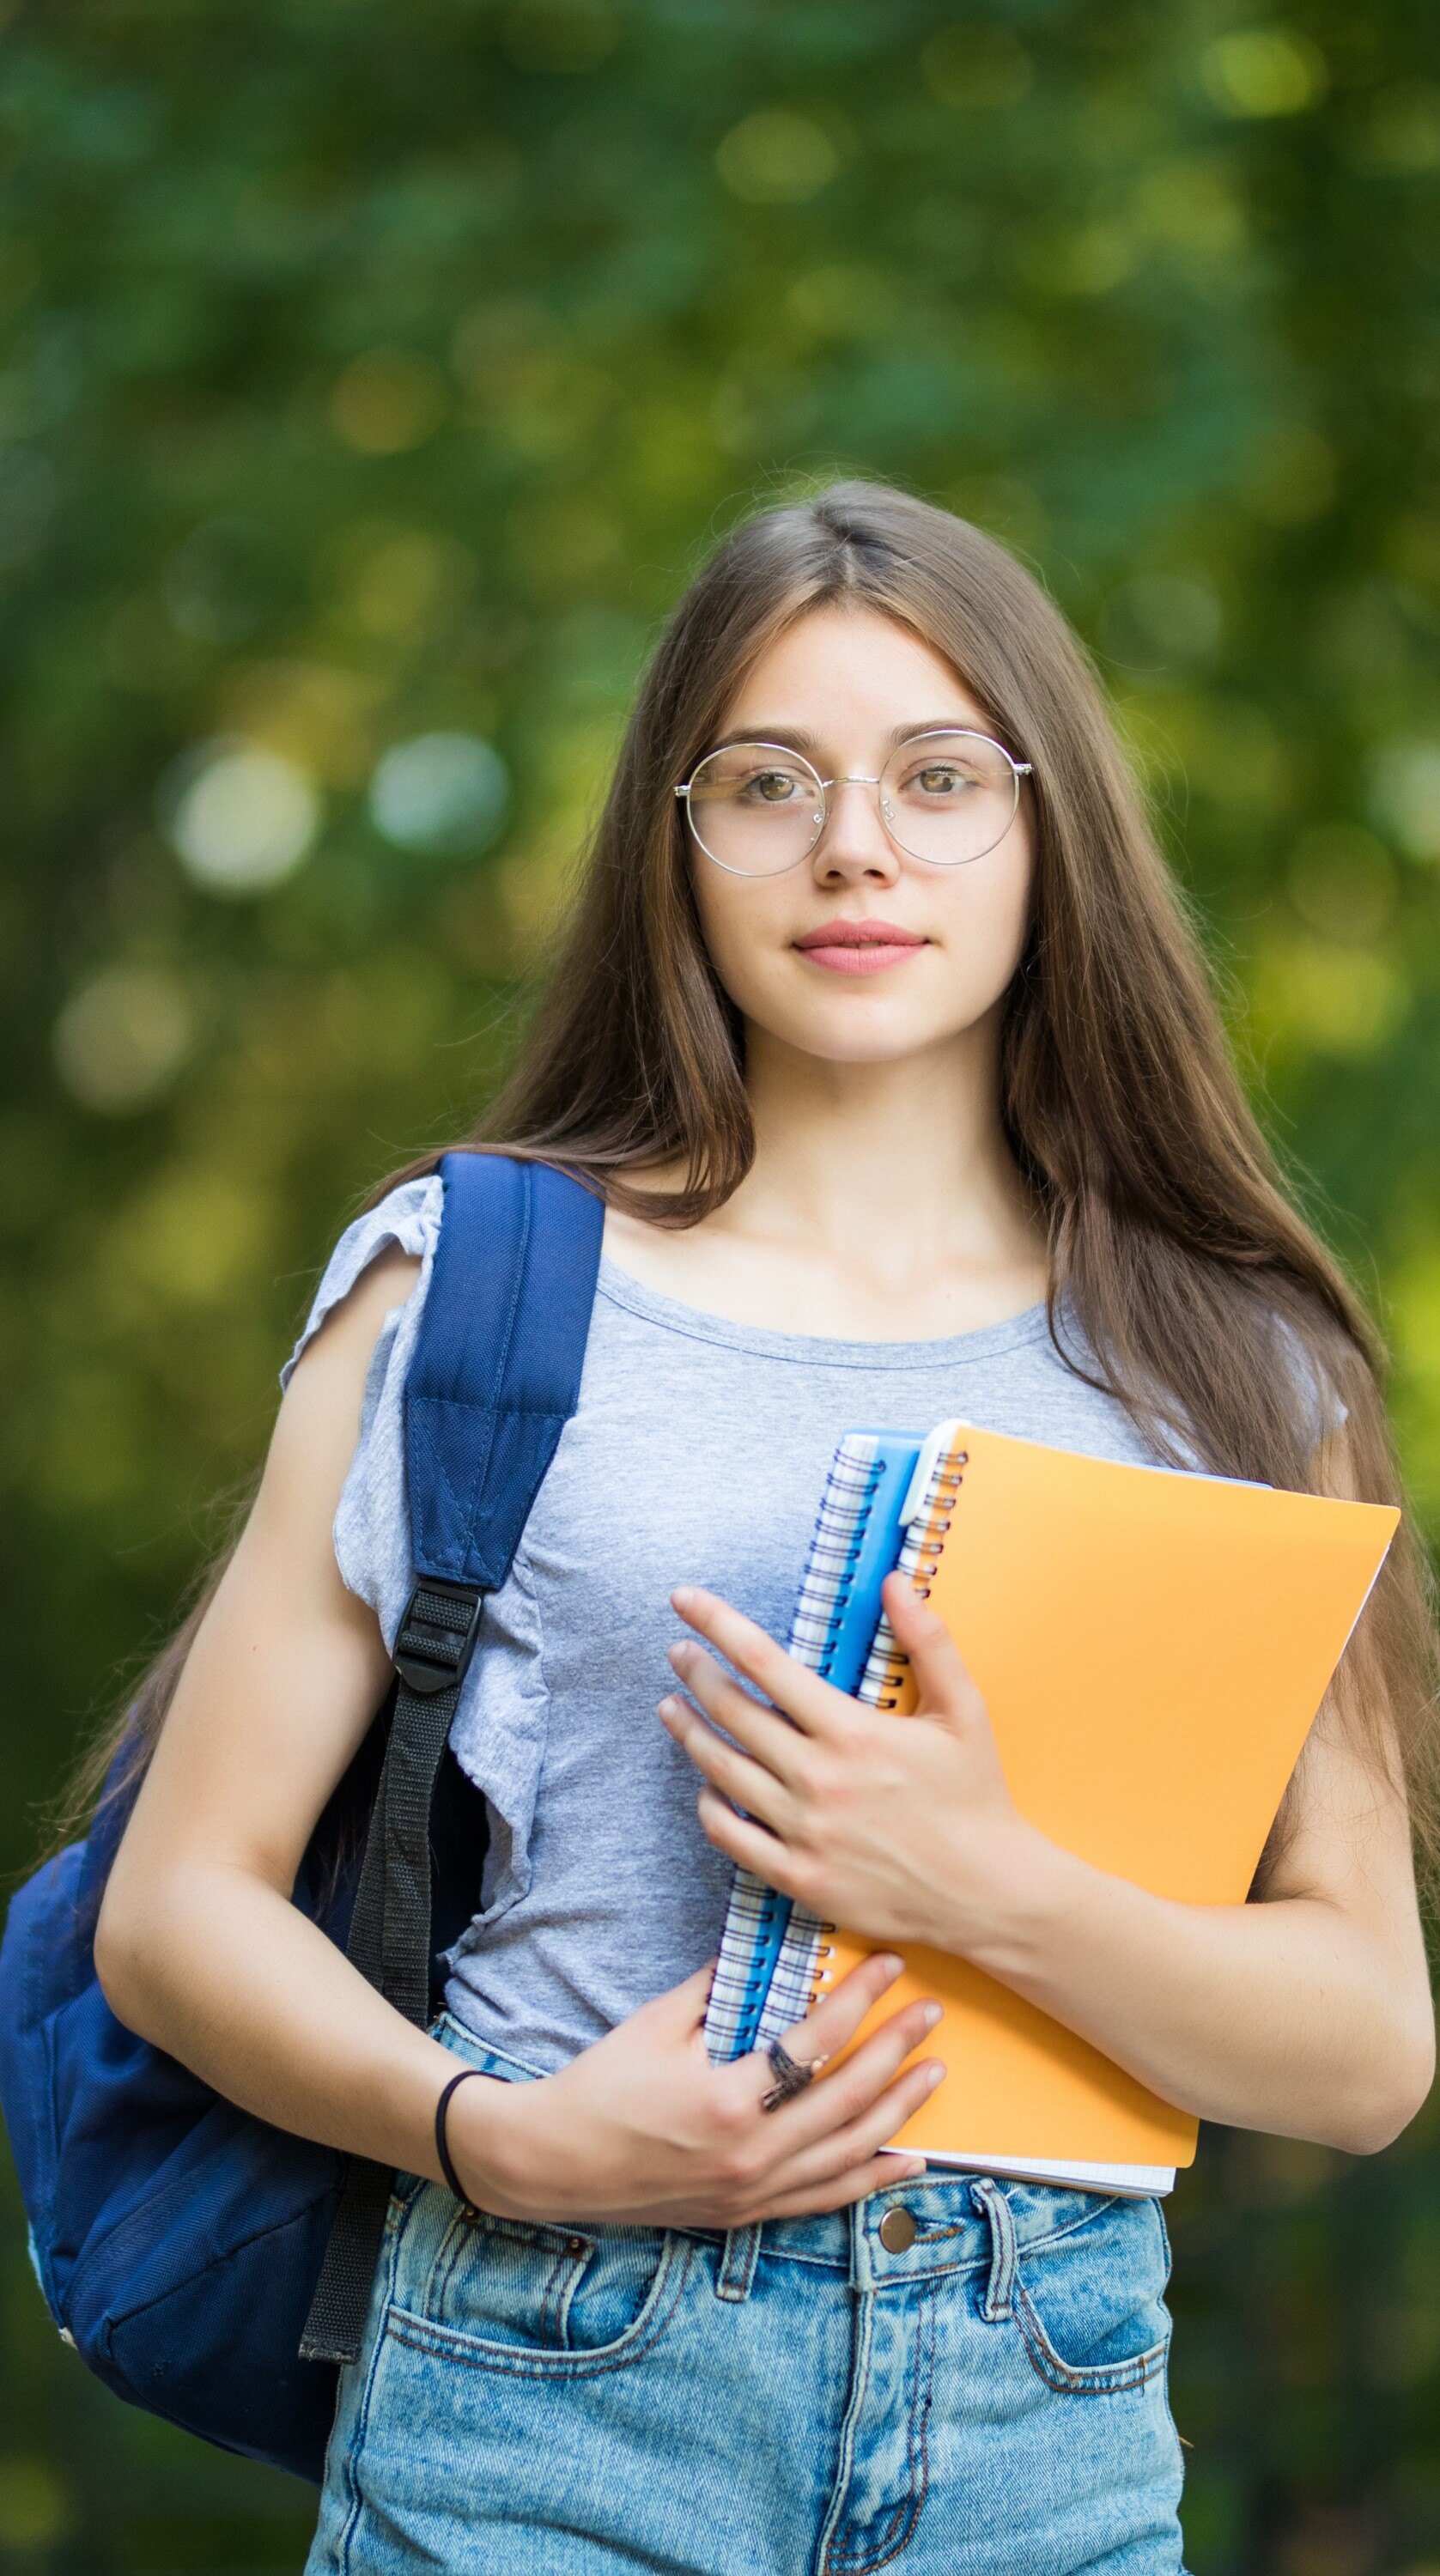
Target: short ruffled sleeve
x,y
372,1541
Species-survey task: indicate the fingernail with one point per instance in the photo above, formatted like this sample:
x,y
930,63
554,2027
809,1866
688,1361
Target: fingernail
x,y
680,1653
932,2014
669,1710
683,1597
915,2168
934,2075
890,1963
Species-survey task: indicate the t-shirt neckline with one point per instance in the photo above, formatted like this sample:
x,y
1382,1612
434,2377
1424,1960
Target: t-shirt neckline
x,y
622,1288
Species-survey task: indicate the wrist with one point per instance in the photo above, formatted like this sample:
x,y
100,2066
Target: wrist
x,y
1010,1926
481,2135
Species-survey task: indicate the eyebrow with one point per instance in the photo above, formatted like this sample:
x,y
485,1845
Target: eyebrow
x,y
795,738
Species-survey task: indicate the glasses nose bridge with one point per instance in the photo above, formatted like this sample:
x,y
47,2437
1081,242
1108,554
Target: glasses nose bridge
x,y
831,804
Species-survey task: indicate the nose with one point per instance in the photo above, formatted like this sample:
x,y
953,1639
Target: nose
x,y
855,846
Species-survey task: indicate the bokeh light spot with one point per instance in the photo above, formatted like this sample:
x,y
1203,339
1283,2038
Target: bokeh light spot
x,y
1405,795
776,158
1190,207
411,583
122,1036
34,2508
193,1235
1342,1002
1092,260
845,301
316,715
442,792
1264,71
388,401
243,818
1343,881
1403,134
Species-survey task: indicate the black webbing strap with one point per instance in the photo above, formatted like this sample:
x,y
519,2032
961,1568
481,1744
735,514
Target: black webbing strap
x,y
494,1379
390,1931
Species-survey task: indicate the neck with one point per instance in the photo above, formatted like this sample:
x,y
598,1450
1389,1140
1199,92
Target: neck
x,y
893,1166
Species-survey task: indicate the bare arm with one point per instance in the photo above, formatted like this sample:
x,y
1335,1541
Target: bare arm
x,y
1307,2013
198,1946
201,1951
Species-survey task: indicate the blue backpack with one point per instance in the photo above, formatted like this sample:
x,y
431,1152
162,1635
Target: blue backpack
x,y
207,2266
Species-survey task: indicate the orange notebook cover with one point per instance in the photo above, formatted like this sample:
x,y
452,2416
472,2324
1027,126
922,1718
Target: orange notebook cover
x,y
1152,1648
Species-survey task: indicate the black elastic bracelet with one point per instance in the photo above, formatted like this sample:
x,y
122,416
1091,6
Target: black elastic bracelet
x,y
467,2206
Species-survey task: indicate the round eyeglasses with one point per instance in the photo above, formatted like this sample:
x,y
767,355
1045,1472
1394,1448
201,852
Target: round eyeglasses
x,y
757,809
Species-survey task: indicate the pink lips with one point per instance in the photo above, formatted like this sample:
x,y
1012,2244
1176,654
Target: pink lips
x,y
859,947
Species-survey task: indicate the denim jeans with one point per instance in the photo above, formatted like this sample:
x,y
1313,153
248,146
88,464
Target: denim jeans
x,y
976,2387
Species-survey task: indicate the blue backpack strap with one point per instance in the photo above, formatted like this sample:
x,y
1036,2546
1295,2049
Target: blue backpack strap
x,y
496,1372
494,1379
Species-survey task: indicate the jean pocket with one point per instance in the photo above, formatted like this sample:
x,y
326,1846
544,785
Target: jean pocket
x,y
525,2297
1090,2303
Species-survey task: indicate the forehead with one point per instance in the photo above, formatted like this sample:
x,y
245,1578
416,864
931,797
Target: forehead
x,y
838,666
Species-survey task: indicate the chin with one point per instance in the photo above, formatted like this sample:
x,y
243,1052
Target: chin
x,y
872,1019
841,1036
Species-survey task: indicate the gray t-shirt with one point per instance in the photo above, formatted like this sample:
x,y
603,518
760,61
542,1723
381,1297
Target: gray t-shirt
x,y
697,1454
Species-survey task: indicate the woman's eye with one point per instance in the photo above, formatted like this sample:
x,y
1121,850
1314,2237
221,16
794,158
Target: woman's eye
x,y
772,786
942,778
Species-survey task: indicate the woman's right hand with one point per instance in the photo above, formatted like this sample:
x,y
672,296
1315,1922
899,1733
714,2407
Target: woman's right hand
x,y
642,2129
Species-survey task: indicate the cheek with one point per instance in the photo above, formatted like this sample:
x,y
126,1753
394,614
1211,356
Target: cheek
x,y
979,917
738,929
985,921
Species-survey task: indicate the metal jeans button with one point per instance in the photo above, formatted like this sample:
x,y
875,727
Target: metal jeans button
x,y
898,2231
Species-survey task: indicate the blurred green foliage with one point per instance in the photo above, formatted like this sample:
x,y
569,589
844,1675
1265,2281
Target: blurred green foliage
x,y
371,379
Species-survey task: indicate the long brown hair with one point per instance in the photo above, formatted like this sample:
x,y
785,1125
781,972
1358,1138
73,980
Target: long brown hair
x,y
1183,1278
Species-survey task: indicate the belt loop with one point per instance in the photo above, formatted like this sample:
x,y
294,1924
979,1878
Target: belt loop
x,y
994,2207
737,2263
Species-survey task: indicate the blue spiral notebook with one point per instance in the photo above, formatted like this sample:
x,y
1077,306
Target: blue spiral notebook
x,y
768,1946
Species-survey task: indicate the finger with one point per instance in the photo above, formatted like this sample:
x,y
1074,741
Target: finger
x,y
823,2032
943,1681
860,2139
754,1846
815,1707
824,2110
747,1782
831,2024
880,2174
771,1738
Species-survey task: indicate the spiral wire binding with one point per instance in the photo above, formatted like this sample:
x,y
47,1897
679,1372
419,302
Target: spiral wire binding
x,y
759,1920
887,1664
804,1969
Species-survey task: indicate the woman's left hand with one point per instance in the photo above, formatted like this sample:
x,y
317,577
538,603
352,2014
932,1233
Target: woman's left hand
x,y
901,1829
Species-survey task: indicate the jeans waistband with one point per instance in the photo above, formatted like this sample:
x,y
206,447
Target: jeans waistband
x,y
954,2222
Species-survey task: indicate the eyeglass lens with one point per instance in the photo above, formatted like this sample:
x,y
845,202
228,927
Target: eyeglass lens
x,y
945,797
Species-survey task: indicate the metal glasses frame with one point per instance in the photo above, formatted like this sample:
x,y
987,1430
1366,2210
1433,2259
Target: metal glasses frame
x,y
860,778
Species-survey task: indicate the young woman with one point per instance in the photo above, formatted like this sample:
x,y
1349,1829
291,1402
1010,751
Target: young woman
x,y
882,1033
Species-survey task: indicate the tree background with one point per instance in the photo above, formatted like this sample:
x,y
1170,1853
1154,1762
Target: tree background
x,y
371,381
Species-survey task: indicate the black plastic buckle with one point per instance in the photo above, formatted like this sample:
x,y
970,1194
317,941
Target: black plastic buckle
x,y
431,1658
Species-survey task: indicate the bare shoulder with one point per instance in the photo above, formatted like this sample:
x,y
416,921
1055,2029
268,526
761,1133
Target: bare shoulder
x,y
350,1331
320,1415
